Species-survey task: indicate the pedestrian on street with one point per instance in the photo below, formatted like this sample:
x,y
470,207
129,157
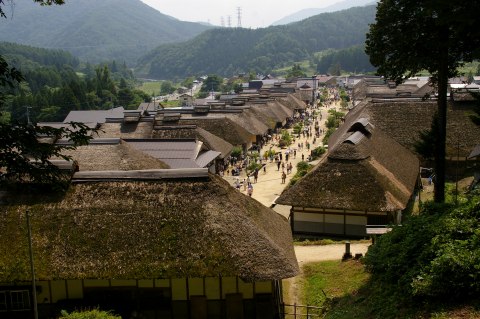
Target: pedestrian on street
x,y
284,176
250,189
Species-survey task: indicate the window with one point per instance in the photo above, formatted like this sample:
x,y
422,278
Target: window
x,y
20,300
3,301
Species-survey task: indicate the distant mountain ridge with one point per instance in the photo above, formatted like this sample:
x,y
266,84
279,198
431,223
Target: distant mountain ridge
x,y
307,13
226,51
95,30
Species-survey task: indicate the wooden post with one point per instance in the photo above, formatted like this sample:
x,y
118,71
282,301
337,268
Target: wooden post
x,y
32,267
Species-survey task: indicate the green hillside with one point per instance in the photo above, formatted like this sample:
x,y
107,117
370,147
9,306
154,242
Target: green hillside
x,y
352,60
95,30
226,51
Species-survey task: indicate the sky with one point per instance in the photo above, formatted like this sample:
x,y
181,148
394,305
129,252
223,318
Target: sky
x,y
254,13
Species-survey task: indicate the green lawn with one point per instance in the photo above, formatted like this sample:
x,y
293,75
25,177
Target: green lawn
x,y
344,291
151,87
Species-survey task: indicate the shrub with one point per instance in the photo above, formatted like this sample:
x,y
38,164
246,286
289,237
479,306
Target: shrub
x,y
328,133
89,314
434,254
297,128
236,151
317,152
302,169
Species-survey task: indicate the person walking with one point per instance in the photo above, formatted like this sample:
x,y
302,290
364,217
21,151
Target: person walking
x,y
250,189
284,177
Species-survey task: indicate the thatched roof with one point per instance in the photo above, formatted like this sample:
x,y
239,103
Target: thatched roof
x,y
210,141
249,121
126,130
293,102
223,126
119,156
365,171
404,122
191,227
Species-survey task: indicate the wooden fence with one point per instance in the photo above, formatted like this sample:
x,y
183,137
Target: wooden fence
x,y
301,311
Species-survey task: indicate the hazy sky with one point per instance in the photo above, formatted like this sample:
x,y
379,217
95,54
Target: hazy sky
x,y
255,13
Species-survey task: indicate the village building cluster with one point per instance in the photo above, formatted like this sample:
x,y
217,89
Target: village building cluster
x,y
151,228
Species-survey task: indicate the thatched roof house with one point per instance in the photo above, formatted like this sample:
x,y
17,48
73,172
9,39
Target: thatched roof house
x,y
367,178
174,237
114,155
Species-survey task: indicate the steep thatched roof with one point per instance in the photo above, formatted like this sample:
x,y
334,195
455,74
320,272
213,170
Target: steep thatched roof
x,y
210,141
293,102
404,122
191,227
223,126
364,171
118,156
249,121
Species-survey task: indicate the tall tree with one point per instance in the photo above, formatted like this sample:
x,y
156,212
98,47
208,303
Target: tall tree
x,y
434,35
23,157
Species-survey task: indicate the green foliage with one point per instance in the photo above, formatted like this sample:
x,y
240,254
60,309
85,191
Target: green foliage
x,y
89,314
296,72
328,133
317,152
225,51
24,158
285,138
166,88
435,254
297,128
90,29
302,169
352,59
236,151
334,119
212,83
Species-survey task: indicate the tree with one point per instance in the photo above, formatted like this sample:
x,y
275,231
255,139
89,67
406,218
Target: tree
x,y
434,35
23,157
166,88
296,72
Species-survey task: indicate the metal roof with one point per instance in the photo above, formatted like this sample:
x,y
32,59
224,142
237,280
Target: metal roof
x,y
475,152
355,138
96,116
207,157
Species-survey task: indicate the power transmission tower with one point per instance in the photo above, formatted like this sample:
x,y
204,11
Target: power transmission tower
x,y
222,22
229,21
239,17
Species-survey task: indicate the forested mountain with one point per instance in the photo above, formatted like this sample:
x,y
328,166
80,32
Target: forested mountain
x,y
56,83
352,59
310,12
226,51
95,30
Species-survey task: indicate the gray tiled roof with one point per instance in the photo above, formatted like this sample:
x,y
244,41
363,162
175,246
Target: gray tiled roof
x,y
97,116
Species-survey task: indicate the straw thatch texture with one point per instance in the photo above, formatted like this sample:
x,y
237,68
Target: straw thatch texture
x,y
221,126
121,157
377,174
143,230
405,121
127,130
249,121
293,102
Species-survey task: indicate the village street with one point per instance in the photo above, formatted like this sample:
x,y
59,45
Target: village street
x,y
269,185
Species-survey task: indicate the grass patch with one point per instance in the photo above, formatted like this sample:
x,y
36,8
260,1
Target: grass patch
x,y
151,87
325,241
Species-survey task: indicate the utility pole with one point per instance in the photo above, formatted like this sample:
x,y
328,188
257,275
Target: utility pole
x,y
32,267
